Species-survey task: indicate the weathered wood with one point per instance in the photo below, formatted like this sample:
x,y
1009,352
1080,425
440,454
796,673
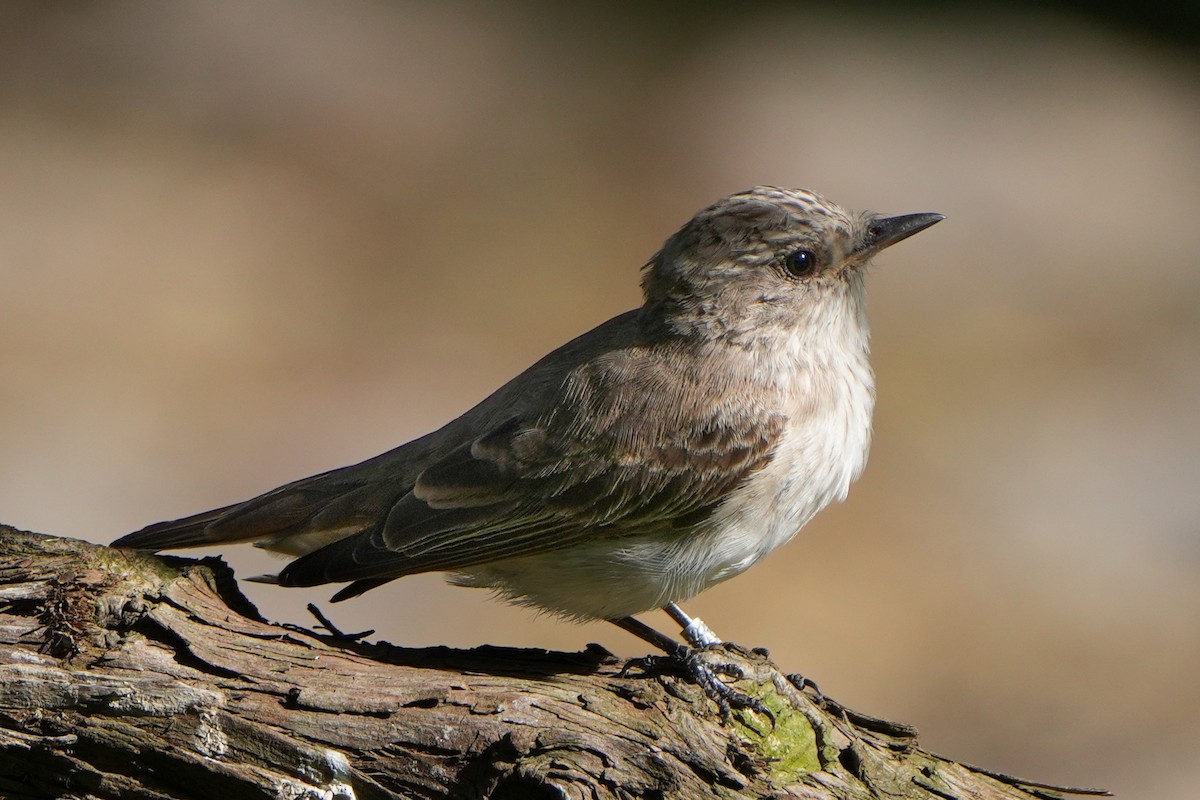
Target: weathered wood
x,y
130,676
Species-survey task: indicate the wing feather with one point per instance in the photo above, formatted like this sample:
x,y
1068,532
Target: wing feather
x,y
525,488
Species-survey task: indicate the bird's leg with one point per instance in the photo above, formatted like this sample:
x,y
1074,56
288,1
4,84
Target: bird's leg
x,y
648,634
690,661
693,628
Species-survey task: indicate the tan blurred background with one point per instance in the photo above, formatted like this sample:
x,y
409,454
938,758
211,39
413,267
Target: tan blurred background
x,y
243,243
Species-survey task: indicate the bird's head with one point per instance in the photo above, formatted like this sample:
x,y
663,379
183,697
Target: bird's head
x,y
765,258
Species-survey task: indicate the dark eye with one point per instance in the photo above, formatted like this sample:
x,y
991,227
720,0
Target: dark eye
x,y
799,263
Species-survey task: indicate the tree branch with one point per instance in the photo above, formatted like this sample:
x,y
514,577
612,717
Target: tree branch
x,y
130,676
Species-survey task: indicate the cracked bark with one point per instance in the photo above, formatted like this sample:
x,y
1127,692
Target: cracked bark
x,y
131,676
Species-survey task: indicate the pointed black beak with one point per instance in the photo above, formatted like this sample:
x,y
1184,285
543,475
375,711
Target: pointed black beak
x,y
886,231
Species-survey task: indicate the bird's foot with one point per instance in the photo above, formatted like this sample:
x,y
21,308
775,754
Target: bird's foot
x,y
804,683
705,673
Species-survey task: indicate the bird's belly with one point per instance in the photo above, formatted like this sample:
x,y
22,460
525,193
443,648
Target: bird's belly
x,y
610,578
607,578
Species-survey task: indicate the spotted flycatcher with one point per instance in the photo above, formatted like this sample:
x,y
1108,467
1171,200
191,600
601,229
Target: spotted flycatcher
x,y
662,452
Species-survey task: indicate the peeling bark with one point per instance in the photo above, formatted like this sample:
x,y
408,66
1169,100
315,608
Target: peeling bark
x,y
131,676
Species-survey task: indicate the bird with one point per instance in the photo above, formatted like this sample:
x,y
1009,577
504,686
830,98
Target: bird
x,y
664,451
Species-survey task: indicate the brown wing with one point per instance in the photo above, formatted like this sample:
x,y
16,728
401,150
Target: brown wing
x,y
605,461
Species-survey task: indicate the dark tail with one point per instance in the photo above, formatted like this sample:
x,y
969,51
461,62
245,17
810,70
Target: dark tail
x,y
356,558
187,532
357,588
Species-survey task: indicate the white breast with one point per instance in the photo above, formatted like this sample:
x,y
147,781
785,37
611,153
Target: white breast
x,y
823,451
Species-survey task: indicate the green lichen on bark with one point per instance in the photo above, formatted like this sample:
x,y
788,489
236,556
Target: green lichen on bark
x,y
787,743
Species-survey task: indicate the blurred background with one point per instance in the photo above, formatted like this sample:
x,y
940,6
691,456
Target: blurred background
x,y
244,243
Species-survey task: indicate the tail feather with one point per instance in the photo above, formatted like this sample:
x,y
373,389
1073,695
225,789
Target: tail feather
x,y
287,510
357,588
186,532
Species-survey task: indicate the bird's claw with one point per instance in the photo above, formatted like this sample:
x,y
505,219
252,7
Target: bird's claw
x,y
706,675
647,664
804,683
